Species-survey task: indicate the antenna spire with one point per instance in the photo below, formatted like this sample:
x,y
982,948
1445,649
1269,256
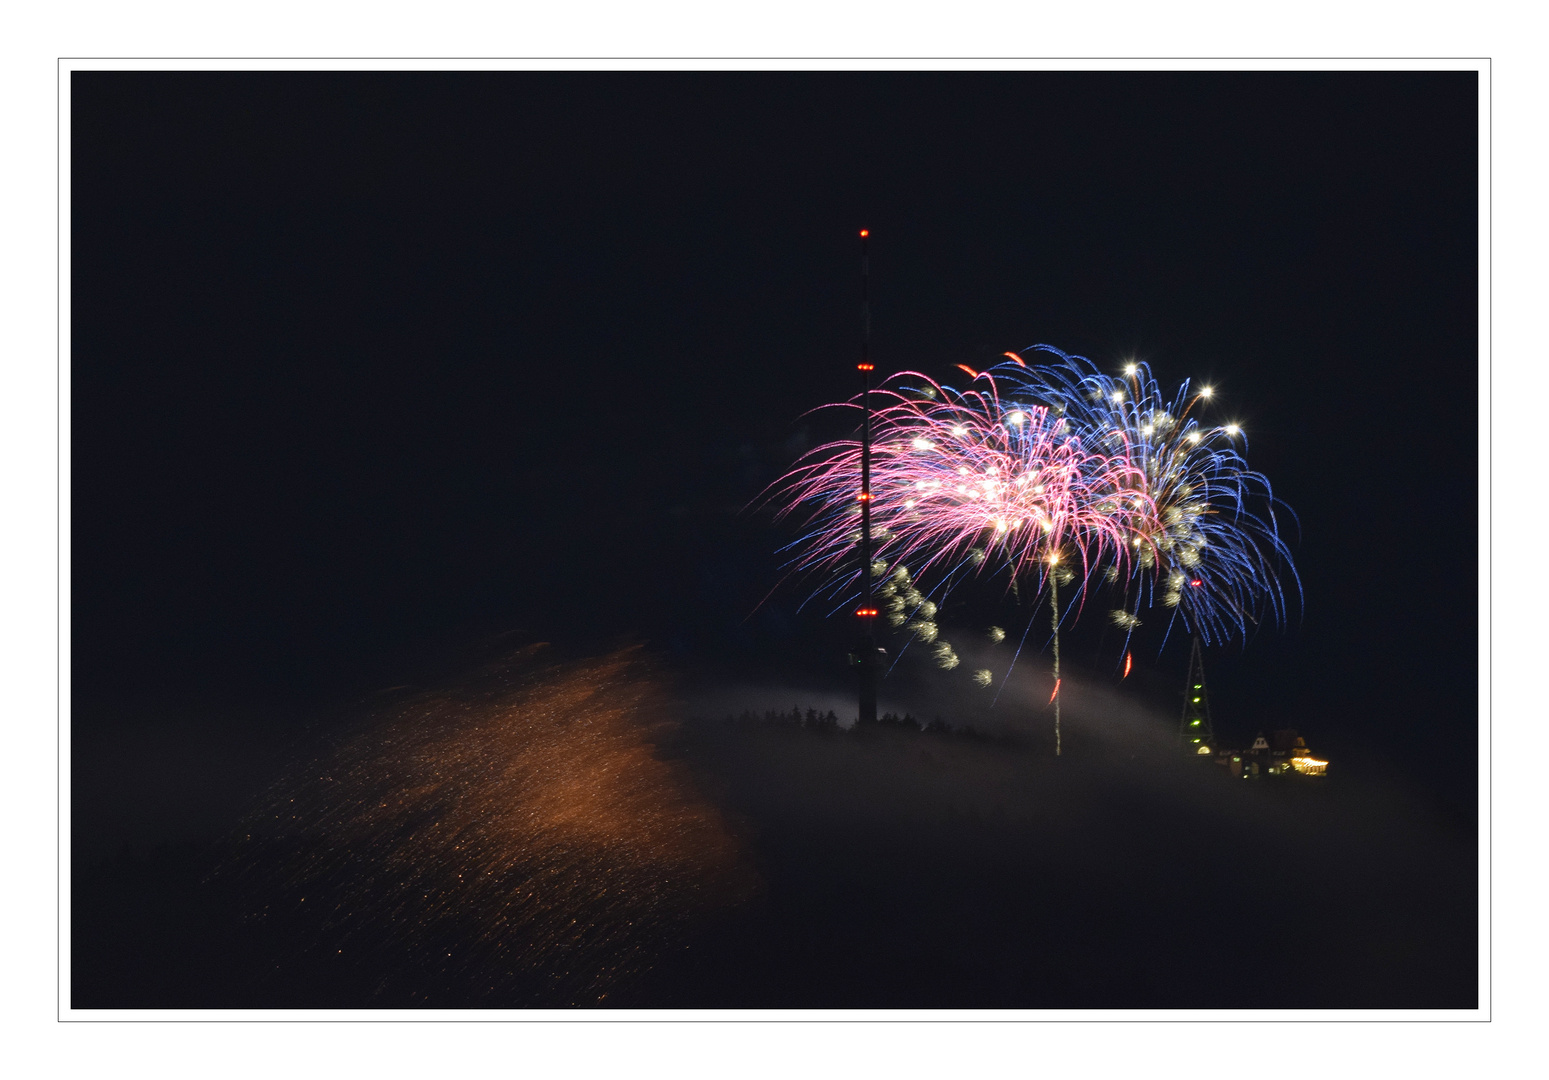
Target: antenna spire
x,y
870,657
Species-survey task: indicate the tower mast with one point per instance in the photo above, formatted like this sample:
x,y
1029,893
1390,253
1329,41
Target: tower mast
x,y
1196,734
867,612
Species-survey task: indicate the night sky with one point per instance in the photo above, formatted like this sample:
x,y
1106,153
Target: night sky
x,y
366,367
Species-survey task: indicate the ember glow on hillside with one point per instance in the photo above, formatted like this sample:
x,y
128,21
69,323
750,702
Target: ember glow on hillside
x,y
520,828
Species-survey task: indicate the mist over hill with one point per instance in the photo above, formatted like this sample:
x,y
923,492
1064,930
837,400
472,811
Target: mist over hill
x,y
597,830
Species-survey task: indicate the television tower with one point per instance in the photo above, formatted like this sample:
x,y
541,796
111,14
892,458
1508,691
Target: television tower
x,y
870,655
1196,735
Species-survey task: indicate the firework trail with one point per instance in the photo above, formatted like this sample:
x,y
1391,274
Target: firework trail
x,y
1054,618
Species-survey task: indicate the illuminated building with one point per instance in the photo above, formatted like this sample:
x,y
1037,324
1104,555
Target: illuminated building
x,y
1283,754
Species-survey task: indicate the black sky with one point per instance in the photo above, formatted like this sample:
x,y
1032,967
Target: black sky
x,y
364,362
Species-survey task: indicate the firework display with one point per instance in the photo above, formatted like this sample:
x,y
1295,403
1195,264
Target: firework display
x,y
966,483
1213,559
1039,472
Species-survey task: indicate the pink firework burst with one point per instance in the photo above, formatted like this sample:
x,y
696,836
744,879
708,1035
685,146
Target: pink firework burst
x,y
966,483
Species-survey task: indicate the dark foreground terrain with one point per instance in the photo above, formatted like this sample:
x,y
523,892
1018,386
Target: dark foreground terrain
x,y
558,833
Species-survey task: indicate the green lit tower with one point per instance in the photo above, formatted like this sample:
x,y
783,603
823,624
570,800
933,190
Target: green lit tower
x,y
1195,733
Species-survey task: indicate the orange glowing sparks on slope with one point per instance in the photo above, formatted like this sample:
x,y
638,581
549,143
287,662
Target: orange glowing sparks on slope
x,y
1128,657
523,816
1056,692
